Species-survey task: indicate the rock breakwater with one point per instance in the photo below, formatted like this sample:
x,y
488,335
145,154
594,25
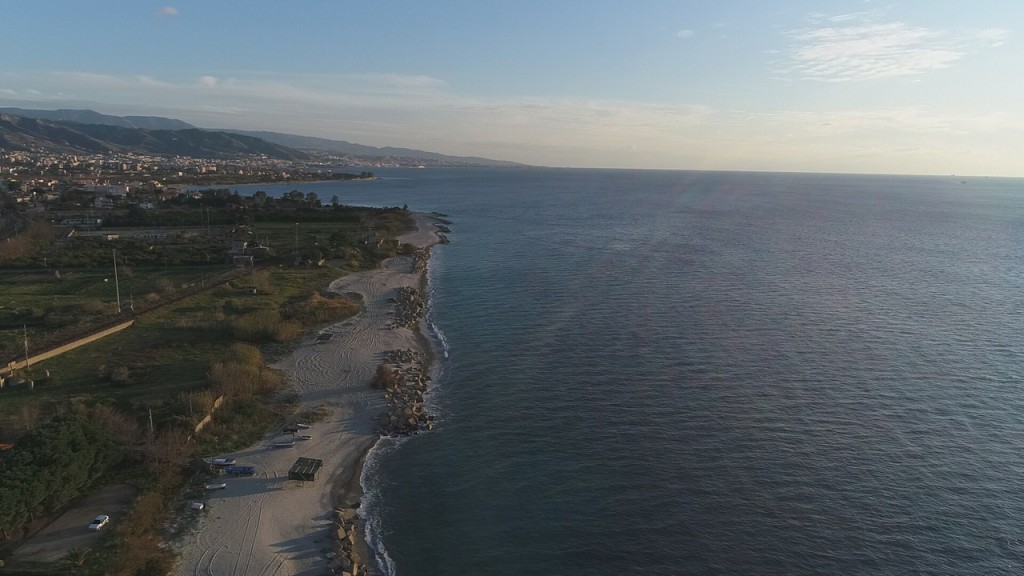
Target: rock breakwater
x,y
344,558
409,307
403,376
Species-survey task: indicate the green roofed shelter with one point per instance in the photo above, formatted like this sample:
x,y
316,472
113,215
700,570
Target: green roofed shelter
x,y
305,469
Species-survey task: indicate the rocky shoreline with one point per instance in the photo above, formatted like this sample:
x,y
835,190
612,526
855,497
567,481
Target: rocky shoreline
x,y
345,559
404,392
403,375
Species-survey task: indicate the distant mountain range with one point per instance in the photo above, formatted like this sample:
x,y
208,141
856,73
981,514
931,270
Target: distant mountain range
x,y
20,133
351,149
86,131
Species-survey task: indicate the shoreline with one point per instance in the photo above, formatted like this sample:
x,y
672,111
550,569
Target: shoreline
x,y
269,524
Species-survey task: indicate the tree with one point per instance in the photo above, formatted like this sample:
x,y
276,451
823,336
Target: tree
x,y
168,451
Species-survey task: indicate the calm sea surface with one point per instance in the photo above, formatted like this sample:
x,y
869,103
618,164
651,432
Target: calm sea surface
x,y
712,373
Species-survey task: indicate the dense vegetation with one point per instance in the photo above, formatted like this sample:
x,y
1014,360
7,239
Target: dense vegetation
x,y
54,464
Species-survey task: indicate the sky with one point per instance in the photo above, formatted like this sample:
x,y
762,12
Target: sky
x,y
856,86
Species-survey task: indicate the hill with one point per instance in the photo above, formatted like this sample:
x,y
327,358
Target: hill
x,y
21,133
91,117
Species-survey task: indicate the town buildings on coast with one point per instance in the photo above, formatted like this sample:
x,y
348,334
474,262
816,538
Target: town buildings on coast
x,y
30,177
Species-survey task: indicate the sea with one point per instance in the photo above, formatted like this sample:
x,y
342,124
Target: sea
x,y
710,373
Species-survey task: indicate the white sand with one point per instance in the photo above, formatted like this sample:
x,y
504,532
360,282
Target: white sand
x,y
268,525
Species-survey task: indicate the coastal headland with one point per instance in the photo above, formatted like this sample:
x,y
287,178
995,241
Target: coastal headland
x,y
267,524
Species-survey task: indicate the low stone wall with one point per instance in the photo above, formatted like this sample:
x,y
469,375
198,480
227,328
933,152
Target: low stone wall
x,y
19,364
209,417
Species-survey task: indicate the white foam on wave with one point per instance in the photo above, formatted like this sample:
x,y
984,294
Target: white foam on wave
x,y
437,340
371,502
442,343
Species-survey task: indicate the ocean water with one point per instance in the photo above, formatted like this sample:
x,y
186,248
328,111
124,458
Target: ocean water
x,y
713,373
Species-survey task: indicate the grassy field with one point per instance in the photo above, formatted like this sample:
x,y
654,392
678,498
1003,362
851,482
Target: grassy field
x,y
168,352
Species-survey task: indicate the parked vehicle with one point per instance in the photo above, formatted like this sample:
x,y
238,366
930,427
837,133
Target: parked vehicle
x,y
222,461
240,470
197,506
284,444
303,437
99,522
217,486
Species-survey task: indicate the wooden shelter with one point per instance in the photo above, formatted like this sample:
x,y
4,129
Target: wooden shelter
x,y
305,469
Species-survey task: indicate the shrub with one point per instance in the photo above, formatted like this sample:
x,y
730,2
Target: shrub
x,y
321,309
233,379
246,354
93,306
287,331
121,376
385,377
258,326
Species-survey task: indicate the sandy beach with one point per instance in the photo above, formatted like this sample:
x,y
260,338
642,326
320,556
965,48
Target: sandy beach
x,y
267,525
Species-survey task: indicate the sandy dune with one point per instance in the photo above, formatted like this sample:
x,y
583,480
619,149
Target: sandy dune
x,y
268,525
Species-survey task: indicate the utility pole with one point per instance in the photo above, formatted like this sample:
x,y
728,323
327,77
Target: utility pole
x,y
25,328
117,287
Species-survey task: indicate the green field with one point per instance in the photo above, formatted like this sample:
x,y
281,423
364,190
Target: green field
x,y
186,312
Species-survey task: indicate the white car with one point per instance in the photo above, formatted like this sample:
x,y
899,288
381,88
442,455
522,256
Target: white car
x,y
217,486
196,506
99,522
222,461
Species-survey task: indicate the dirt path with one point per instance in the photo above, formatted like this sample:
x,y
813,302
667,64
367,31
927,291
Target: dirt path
x,y
70,529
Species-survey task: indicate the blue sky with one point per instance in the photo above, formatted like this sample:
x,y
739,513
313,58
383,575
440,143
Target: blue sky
x,y
915,87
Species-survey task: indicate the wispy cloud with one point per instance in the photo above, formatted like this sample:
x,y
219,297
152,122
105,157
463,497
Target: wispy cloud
x,y
866,52
851,48
994,36
684,34
168,11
